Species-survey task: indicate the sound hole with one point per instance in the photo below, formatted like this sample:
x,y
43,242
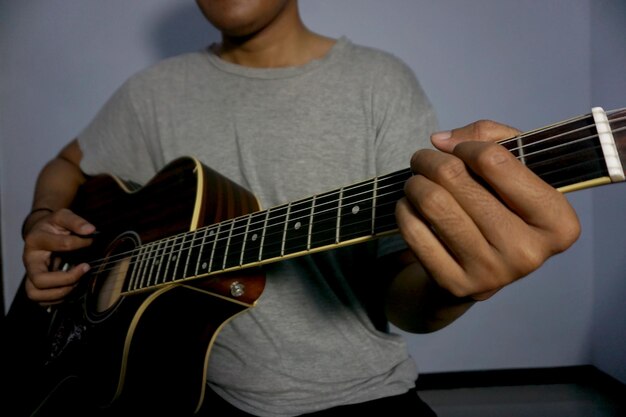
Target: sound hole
x,y
108,280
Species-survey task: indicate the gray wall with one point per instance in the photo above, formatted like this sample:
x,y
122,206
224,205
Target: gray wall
x,y
526,63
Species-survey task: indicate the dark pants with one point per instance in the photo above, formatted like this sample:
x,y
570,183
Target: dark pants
x,y
408,404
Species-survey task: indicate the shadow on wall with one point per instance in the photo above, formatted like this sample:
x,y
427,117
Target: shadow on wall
x,y
180,29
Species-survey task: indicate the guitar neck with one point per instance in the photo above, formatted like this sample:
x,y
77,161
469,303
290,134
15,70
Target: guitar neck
x,y
579,153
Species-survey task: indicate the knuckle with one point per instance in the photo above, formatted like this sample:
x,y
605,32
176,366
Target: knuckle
x,y
62,212
450,170
434,200
491,280
34,281
483,127
529,260
459,290
487,278
492,156
565,236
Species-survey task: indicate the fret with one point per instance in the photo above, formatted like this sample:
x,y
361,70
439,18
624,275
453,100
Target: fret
x,y
338,225
170,261
197,249
159,258
146,265
520,150
182,256
310,231
266,219
190,252
356,211
155,255
274,232
245,239
297,227
175,259
236,239
252,248
390,189
206,264
373,203
219,249
134,265
284,238
324,219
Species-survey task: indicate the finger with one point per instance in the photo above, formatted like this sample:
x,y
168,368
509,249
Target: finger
x,y
496,222
61,231
464,193
56,279
47,296
53,287
482,130
523,192
67,220
447,241
41,239
427,247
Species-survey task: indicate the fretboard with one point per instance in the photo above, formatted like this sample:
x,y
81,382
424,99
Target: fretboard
x,y
575,154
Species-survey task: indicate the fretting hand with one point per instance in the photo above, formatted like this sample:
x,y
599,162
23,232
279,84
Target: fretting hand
x,y
478,219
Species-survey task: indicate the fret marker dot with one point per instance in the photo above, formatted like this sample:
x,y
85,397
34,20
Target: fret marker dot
x,y
355,209
255,237
297,225
204,265
174,258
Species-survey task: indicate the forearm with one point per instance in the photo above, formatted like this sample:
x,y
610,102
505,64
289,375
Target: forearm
x,y
56,185
415,303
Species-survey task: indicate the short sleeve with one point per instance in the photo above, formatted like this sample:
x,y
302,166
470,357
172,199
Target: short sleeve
x,y
115,141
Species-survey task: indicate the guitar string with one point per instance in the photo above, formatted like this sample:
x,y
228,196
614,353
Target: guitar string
x,y
307,209
401,173
156,283
222,257
219,260
516,139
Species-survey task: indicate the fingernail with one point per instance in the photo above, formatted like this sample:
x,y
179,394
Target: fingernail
x,y
87,228
444,135
85,267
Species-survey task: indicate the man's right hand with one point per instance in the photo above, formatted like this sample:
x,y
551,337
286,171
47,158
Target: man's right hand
x,y
57,232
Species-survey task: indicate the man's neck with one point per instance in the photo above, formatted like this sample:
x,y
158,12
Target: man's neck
x,y
285,42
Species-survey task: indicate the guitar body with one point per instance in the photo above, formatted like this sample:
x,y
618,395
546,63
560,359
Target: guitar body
x,y
148,349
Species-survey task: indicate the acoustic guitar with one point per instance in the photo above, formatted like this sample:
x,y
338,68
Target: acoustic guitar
x,y
176,259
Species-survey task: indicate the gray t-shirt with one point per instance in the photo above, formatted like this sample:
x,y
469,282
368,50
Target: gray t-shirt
x,y
285,134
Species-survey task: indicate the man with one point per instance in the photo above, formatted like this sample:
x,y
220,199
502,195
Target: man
x,y
289,113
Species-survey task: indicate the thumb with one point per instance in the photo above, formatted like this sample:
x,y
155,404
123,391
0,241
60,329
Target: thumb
x,y
481,130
